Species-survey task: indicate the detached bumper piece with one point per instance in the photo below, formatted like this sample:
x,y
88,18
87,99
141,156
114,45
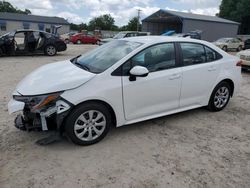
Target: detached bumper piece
x,y
23,125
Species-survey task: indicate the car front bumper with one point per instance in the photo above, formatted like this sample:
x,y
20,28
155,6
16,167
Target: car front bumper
x,y
52,117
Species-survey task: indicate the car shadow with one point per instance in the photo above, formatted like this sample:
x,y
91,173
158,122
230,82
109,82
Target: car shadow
x,y
118,133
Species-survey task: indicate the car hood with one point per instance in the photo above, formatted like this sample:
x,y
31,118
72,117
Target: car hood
x,y
219,43
107,40
52,78
244,52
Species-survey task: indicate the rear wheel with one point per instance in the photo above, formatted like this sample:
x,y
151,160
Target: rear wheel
x,y
220,97
1,52
50,50
88,124
239,48
225,48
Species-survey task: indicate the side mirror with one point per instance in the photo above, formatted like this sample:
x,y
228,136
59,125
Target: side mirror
x,y
138,71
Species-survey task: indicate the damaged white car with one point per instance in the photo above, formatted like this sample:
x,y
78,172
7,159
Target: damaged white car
x,y
123,82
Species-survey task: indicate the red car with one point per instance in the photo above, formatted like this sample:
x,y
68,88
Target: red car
x,y
80,38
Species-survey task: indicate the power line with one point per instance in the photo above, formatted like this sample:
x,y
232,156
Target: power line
x,y
138,18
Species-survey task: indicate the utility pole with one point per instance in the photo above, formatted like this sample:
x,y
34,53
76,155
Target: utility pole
x,y
138,19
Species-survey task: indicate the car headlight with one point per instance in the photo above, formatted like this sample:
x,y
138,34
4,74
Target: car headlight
x,y
36,103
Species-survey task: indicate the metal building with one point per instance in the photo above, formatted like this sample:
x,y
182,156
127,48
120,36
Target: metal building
x,y
212,27
14,21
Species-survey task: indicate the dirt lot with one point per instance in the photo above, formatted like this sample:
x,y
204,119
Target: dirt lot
x,y
191,149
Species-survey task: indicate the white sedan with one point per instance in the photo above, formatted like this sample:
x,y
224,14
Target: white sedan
x,y
124,82
245,57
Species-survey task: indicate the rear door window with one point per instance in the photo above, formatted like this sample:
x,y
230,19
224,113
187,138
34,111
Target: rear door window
x,y
193,54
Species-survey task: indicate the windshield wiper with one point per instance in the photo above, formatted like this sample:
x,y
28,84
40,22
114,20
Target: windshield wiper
x,y
82,66
74,61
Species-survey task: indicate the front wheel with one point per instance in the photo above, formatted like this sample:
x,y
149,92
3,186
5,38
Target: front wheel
x,y
50,50
220,97
88,123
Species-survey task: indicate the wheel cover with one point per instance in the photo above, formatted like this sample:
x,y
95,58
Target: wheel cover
x,y
221,97
79,42
90,125
51,50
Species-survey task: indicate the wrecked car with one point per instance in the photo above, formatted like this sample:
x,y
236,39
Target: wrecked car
x,y
28,42
124,82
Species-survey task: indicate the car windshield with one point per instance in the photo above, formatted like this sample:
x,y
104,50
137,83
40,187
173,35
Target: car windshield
x,y
120,35
103,57
222,40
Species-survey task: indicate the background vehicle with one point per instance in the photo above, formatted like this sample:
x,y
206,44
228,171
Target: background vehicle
x,y
81,38
168,33
245,57
66,36
229,43
125,34
192,34
22,42
124,82
247,44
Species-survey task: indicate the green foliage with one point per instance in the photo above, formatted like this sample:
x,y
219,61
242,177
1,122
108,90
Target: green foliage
x,y
238,11
103,22
132,24
8,7
234,10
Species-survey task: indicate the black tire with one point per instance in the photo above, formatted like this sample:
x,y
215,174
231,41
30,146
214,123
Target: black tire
x,y
50,50
211,105
239,48
67,41
78,42
79,111
225,48
1,52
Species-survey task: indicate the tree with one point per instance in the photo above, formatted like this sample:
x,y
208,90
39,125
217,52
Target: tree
x,y
132,24
237,11
8,7
103,22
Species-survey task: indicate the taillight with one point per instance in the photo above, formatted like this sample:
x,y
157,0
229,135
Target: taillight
x,y
239,63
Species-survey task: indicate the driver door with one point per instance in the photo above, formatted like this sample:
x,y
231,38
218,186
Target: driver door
x,y
19,41
159,91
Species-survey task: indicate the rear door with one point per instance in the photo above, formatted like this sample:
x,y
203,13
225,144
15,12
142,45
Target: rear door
x,y
201,67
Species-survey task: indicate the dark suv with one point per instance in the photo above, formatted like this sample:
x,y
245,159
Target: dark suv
x,y
247,44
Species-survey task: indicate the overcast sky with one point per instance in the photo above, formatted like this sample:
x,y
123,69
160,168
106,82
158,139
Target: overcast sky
x,y
78,11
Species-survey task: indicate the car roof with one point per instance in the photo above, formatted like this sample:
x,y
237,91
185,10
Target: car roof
x,y
133,32
29,30
159,39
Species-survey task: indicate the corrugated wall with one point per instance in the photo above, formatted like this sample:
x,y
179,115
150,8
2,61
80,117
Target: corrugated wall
x,y
159,28
211,30
14,25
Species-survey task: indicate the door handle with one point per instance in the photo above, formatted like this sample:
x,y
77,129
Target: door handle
x,y
211,69
174,76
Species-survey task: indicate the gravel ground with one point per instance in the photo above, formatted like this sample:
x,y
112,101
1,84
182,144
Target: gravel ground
x,y
190,149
